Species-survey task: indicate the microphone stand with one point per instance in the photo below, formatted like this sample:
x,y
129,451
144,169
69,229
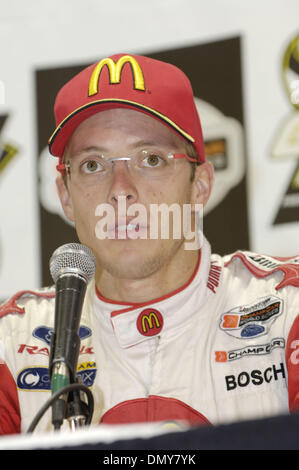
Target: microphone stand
x,y
56,396
69,406
76,411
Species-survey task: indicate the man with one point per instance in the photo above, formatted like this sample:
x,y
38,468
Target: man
x,y
167,332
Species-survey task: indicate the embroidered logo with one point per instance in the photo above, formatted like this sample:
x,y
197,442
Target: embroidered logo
x,y
45,332
252,350
252,320
115,70
150,322
38,378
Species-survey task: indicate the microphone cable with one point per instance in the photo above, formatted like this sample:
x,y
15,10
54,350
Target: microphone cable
x,y
75,387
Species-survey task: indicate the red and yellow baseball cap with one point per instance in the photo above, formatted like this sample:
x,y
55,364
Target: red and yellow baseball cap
x,y
156,88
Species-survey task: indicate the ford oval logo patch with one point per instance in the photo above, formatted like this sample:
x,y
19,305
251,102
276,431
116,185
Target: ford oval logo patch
x,y
45,332
252,330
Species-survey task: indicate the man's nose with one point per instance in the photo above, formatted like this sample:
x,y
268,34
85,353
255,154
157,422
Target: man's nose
x,y
122,184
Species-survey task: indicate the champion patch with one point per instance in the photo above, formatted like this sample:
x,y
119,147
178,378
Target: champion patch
x,y
252,350
252,320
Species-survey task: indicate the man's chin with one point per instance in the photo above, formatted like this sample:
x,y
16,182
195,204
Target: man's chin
x,y
134,261
129,270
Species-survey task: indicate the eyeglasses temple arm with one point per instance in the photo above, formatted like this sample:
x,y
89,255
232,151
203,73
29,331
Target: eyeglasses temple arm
x,y
184,155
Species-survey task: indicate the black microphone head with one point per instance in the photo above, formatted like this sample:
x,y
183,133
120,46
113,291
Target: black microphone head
x,y
72,258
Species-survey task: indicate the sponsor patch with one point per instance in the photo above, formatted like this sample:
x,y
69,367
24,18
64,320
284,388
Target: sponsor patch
x,y
87,371
29,349
150,322
34,378
45,332
252,350
33,350
252,320
38,378
255,377
214,278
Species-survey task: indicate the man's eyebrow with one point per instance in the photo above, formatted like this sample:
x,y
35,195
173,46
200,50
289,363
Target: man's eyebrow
x,y
97,148
153,143
144,143
93,148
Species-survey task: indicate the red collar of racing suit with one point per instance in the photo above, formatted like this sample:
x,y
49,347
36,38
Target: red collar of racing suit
x,y
171,309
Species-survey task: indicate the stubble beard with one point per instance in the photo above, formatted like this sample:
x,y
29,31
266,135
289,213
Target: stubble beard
x,y
147,265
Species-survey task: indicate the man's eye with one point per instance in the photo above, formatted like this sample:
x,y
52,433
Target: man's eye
x,y
153,160
91,166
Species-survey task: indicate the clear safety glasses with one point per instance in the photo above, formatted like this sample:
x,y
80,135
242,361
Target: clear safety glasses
x,y
153,164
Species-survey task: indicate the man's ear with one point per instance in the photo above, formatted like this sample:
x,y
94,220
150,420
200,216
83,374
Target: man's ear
x,y
202,183
65,198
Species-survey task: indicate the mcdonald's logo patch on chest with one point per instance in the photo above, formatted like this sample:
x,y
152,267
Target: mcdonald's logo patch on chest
x,y
150,322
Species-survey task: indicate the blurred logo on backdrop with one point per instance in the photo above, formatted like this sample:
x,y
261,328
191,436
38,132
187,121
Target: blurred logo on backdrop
x,y
286,142
224,148
7,150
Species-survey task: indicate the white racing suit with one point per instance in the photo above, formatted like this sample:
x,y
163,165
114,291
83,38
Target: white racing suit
x,y
223,348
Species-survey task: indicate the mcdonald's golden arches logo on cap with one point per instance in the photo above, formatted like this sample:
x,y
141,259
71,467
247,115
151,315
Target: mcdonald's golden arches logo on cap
x,y
150,322
115,70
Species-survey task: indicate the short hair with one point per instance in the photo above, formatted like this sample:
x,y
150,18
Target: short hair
x,y
192,152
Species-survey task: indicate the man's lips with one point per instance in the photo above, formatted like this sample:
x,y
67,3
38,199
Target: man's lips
x,y
123,224
126,229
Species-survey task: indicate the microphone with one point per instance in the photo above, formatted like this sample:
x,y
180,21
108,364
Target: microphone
x,y
72,266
